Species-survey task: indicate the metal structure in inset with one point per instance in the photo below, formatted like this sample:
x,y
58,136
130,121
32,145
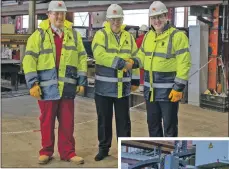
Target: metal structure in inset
x,y
202,155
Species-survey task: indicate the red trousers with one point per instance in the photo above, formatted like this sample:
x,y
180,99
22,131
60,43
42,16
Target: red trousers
x,y
64,111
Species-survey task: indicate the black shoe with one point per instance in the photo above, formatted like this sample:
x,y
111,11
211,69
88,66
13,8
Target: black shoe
x,y
100,156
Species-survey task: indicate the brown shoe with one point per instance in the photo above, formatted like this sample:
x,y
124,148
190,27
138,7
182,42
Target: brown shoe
x,y
77,160
44,159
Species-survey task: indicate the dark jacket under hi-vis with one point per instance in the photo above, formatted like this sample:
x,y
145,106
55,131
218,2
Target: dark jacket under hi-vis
x,y
109,53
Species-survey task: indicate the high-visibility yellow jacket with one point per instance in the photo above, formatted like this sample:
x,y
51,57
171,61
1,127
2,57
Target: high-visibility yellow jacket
x,y
110,58
166,61
39,62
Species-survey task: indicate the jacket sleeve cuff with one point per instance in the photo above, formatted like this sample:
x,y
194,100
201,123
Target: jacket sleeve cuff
x,y
137,63
179,84
179,87
118,63
82,81
31,79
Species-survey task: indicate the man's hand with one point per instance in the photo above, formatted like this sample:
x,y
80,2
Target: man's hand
x,y
35,91
134,88
80,90
129,64
175,96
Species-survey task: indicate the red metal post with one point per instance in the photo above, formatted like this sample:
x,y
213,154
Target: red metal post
x,y
213,44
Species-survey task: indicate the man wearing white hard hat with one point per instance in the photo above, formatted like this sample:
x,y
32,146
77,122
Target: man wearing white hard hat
x,y
165,57
141,33
112,48
55,66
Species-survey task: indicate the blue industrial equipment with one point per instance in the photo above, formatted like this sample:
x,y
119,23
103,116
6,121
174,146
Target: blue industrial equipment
x,y
171,162
205,155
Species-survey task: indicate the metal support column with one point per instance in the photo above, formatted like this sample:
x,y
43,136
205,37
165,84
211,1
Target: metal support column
x,y
186,17
90,26
70,16
22,53
159,153
184,146
171,15
32,9
214,46
225,50
127,148
176,146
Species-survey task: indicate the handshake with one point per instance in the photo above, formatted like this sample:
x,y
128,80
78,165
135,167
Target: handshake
x,y
128,65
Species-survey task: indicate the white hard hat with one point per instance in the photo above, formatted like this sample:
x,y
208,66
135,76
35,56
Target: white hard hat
x,y
144,28
157,8
104,23
131,30
114,11
57,6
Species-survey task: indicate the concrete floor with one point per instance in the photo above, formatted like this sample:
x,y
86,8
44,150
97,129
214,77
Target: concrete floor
x,y
21,140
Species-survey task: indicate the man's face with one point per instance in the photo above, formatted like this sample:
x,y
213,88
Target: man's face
x,y
57,18
158,22
116,24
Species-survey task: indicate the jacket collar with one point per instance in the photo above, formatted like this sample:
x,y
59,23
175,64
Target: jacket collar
x,y
55,29
46,24
166,27
107,27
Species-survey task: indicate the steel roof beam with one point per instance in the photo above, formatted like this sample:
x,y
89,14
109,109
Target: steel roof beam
x,y
146,146
94,6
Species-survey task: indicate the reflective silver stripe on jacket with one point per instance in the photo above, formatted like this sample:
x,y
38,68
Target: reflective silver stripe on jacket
x,y
116,51
139,62
170,44
46,51
159,85
82,53
134,53
48,83
42,50
75,36
181,81
106,38
52,82
135,77
95,46
67,80
30,75
164,55
169,54
82,73
32,53
69,47
115,62
112,79
42,38
110,50
181,51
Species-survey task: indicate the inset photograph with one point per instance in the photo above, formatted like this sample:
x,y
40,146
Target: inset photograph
x,y
174,154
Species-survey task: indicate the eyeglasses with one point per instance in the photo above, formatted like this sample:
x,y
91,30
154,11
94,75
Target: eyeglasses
x,y
58,13
159,17
118,20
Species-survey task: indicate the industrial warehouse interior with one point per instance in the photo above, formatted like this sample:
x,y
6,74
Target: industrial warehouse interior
x,y
68,92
